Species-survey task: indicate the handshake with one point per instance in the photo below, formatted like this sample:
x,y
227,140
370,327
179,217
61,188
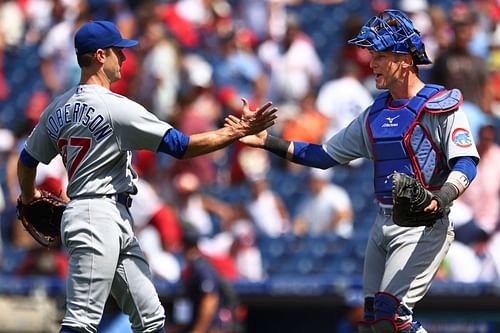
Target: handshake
x,y
251,127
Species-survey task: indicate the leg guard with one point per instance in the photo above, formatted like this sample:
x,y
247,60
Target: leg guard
x,y
385,307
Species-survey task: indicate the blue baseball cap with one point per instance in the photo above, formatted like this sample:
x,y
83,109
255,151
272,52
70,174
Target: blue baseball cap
x,y
99,35
392,31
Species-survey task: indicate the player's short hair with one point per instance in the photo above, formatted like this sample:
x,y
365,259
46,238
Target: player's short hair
x,y
86,59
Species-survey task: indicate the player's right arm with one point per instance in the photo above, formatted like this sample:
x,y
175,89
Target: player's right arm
x,y
308,154
26,174
140,129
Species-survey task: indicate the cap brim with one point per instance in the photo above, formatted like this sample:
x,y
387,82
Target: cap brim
x,y
126,43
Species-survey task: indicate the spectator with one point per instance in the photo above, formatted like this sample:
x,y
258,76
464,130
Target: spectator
x,y
7,142
199,110
296,68
458,68
12,23
160,71
326,209
266,209
246,254
358,56
198,207
40,262
238,71
212,299
344,98
58,64
483,195
158,231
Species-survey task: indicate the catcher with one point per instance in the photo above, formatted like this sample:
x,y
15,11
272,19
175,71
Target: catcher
x,y
424,158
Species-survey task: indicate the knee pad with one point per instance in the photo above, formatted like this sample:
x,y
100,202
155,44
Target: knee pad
x,y
385,306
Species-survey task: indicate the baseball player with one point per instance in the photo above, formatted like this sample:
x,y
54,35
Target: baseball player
x,y
415,129
95,130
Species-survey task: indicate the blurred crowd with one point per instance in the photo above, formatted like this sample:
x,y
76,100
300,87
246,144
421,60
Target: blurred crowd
x,y
195,61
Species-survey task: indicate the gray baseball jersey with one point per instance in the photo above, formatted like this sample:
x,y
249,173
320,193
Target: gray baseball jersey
x,y
94,130
353,141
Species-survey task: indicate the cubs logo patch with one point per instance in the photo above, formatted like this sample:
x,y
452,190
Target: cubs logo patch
x,y
461,138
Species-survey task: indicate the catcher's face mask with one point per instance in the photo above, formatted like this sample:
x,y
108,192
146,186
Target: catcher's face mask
x,y
392,31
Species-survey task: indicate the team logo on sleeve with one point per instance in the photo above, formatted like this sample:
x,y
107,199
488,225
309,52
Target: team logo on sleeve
x,y
461,138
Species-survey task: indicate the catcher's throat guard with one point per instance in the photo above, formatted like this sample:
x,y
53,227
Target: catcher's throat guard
x,y
42,218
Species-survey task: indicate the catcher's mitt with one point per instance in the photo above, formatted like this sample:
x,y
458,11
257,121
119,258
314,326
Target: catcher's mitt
x,y
42,218
410,198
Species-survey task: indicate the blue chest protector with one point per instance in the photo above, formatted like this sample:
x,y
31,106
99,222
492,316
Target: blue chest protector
x,y
400,143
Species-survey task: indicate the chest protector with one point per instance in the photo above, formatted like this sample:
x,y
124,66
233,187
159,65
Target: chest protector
x,y
401,143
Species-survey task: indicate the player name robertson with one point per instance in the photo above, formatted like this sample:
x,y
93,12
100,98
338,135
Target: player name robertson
x,y
81,113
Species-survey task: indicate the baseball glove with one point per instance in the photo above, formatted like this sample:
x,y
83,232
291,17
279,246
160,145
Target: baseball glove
x,y
42,218
410,198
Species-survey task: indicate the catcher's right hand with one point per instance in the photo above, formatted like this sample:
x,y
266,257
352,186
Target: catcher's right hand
x,y
41,217
410,199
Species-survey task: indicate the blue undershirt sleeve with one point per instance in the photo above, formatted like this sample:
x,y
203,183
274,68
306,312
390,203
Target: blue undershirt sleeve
x,y
312,155
28,160
466,165
174,143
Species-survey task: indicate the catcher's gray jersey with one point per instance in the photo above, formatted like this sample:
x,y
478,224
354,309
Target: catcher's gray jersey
x,y
445,129
94,130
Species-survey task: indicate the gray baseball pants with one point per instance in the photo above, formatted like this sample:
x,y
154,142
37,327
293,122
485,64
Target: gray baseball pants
x,y
105,258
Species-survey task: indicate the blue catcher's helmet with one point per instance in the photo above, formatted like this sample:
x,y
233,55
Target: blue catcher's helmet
x,y
392,31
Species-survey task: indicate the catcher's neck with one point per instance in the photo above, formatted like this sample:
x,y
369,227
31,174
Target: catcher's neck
x,y
407,87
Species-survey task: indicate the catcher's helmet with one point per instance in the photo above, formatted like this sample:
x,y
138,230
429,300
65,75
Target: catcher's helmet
x,y
392,31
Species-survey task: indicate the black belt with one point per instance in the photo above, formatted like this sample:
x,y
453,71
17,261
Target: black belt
x,y
123,198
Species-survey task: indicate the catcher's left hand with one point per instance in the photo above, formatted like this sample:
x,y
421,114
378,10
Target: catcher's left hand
x,y
410,200
41,217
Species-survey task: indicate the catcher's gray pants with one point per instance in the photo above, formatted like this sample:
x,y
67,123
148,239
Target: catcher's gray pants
x,y
104,258
403,261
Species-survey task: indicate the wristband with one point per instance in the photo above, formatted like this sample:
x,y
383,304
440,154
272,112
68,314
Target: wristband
x,y
446,195
277,146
